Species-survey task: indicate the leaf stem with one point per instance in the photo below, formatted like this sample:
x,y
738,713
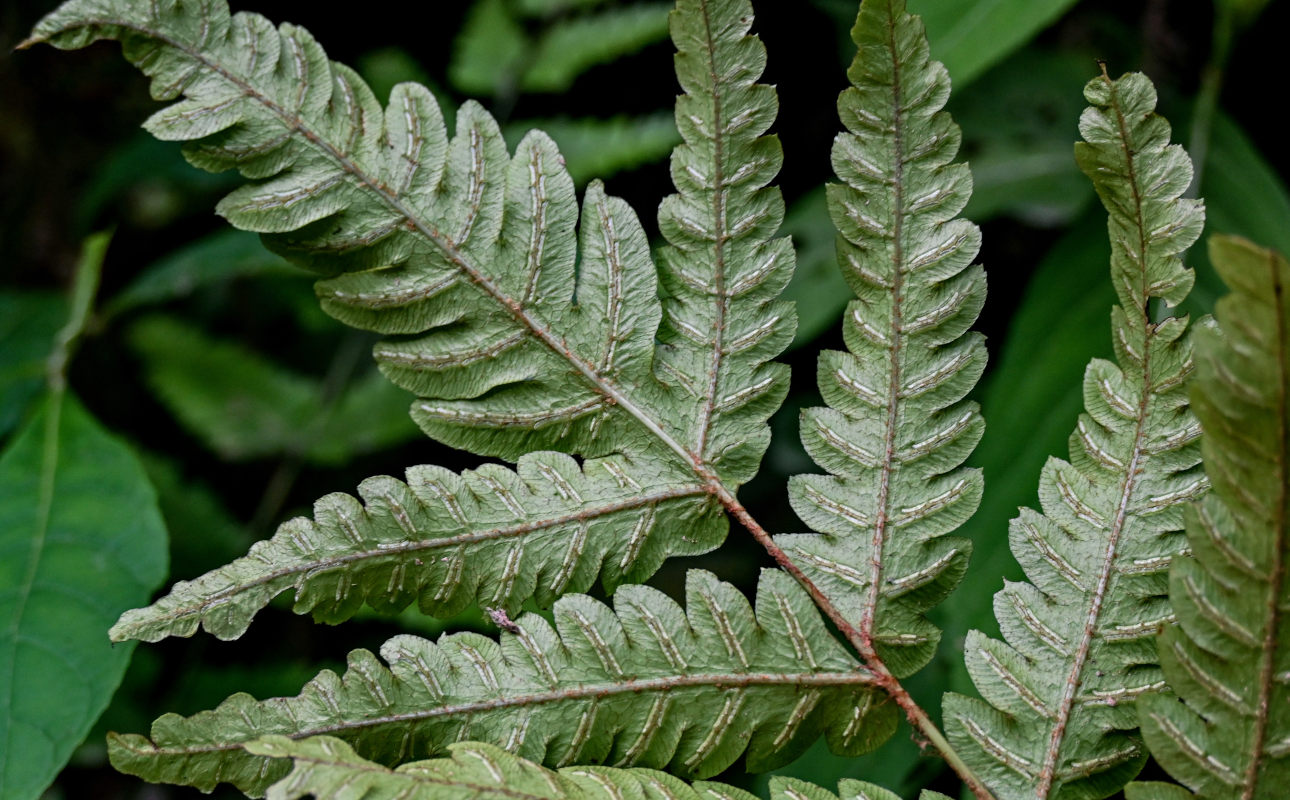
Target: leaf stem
x,y
882,676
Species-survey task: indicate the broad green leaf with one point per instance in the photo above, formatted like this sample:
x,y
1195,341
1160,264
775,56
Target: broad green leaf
x,y
328,769
567,48
602,147
214,259
1228,655
1078,647
645,684
969,37
28,322
244,407
442,540
80,541
897,428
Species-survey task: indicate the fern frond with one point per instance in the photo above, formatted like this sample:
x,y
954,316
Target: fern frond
x,y
1228,656
646,684
328,769
897,428
1079,637
723,271
794,789
443,540
465,254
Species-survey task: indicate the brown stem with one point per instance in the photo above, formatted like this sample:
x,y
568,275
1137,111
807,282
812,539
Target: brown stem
x,y
882,676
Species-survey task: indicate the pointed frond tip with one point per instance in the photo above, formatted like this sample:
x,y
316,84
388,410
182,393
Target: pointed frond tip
x,y
442,540
1228,656
645,684
1078,647
897,429
722,271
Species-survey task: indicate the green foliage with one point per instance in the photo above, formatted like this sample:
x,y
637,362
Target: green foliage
x,y
1079,638
63,576
28,322
244,407
629,388
897,428
645,684
1227,656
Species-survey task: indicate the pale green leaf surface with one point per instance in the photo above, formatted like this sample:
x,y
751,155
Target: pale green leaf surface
x,y
244,407
897,428
645,684
80,541
1078,638
442,540
28,322
1031,397
328,769
969,37
1228,655
722,271
569,47
475,249
1031,409
1154,790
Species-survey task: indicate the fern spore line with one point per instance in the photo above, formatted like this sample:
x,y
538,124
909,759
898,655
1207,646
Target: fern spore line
x,y
387,549
591,690
706,408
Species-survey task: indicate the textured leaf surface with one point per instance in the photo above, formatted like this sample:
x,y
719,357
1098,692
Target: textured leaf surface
x,y
794,789
1078,647
721,270
442,540
646,684
80,541
463,252
1228,656
897,428
328,769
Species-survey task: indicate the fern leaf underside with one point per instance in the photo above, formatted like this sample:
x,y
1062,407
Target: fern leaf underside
x,y
1228,656
442,540
1079,637
328,769
897,428
646,684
